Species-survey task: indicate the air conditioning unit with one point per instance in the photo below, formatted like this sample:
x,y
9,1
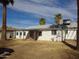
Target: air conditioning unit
x,y
66,21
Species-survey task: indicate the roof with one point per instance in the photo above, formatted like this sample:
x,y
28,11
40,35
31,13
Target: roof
x,y
40,26
45,27
73,24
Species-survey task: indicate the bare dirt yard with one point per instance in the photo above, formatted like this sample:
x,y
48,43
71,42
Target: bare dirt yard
x,y
40,50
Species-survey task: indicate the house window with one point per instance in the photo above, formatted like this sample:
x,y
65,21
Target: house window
x,y
66,31
20,33
40,33
17,33
24,33
11,35
53,32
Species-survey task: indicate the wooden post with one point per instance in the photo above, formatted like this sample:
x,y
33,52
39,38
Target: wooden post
x,y
4,22
77,24
34,35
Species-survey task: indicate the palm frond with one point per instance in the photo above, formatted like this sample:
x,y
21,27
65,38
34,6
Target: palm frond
x,y
11,1
1,1
7,2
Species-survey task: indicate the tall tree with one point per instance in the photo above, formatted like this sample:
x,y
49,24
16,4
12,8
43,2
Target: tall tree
x,y
58,19
4,4
59,22
78,24
42,21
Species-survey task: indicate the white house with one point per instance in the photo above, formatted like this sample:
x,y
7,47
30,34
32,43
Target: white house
x,y
48,33
45,33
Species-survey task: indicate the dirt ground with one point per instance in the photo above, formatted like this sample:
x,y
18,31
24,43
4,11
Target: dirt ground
x,y
41,50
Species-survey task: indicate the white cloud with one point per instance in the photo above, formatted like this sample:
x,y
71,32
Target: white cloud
x,y
39,1
26,22
22,23
41,9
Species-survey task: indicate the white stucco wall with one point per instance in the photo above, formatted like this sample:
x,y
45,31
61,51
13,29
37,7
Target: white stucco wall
x,y
46,35
60,35
71,35
21,36
25,34
8,35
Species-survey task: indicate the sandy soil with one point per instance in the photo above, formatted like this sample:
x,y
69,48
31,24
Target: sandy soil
x,y
41,50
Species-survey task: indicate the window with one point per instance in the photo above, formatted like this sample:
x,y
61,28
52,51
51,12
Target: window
x,y
20,33
17,33
40,33
24,33
53,32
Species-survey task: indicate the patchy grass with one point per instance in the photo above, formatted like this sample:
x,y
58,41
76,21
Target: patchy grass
x,y
40,50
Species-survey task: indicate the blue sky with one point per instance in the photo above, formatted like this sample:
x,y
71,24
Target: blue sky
x,y
27,13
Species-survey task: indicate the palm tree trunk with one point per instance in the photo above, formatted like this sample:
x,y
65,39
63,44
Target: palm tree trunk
x,y
78,24
4,23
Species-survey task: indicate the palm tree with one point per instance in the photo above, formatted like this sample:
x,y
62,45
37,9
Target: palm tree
x,y
59,22
78,24
4,4
58,19
42,21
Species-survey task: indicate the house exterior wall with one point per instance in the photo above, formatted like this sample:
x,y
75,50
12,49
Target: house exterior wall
x,y
9,35
18,36
45,35
48,36
21,35
71,35
60,35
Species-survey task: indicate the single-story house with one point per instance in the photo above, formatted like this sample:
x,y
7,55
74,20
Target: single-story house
x,y
44,32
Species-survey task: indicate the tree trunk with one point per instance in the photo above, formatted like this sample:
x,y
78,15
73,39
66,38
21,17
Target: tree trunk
x,y
78,24
4,23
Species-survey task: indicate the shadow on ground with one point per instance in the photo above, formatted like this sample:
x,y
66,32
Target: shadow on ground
x,y
5,52
69,45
